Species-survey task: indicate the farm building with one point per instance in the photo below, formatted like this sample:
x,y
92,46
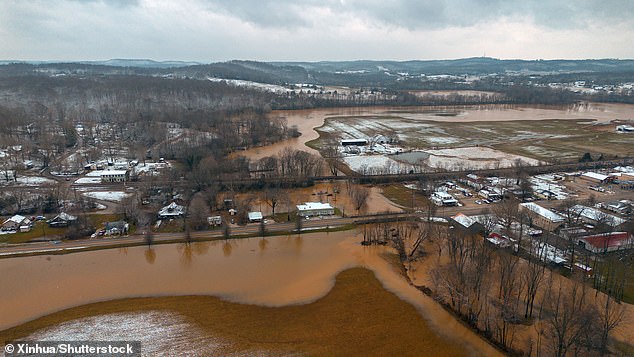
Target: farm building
x,y
594,177
310,209
606,242
543,217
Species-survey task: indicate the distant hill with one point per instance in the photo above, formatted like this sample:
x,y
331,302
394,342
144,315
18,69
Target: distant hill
x,y
367,73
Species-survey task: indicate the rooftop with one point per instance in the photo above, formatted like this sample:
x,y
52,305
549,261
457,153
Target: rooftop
x,y
597,215
607,240
544,212
463,220
307,206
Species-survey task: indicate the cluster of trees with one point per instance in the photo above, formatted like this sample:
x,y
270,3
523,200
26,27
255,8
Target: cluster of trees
x,y
511,295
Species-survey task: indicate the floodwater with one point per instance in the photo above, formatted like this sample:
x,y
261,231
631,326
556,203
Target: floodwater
x,y
272,272
308,119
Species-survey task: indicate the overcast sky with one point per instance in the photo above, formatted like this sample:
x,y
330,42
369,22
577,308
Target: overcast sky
x,y
313,30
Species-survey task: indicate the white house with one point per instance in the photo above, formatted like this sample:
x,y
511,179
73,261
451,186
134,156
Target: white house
x,y
311,209
115,176
441,198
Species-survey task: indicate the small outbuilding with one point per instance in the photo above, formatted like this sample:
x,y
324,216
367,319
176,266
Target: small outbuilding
x,y
255,217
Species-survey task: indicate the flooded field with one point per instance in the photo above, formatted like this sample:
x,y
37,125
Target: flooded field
x,y
444,126
257,280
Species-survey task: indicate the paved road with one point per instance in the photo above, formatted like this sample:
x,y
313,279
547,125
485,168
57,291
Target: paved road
x,y
56,247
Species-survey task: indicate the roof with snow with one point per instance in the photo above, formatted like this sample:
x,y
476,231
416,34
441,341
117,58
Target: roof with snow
x,y
309,206
254,216
607,240
172,210
113,172
463,220
597,215
544,212
18,219
595,176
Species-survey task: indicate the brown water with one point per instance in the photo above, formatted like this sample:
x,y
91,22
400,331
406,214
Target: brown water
x,y
273,272
307,120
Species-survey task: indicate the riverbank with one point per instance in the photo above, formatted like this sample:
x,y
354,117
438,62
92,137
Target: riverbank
x,y
274,273
382,324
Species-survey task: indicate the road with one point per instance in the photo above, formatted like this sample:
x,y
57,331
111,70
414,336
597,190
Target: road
x,y
60,247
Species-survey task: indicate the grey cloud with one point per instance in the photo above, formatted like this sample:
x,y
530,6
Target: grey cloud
x,y
426,14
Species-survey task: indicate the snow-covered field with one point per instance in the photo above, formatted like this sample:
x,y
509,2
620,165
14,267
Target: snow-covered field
x,y
450,159
261,86
474,158
88,180
34,181
115,196
376,164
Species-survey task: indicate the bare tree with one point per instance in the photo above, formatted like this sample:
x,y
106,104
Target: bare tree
x,y
358,196
197,213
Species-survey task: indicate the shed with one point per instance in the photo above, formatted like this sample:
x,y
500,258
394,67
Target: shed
x,y
255,217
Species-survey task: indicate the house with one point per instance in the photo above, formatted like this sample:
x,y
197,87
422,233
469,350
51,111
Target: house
x,y
441,198
255,217
16,223
171,211
61,220
466,223
594,177
115,176
474,181
543,217
620,207
491,194
595,216
214,220
117,228
606,242
311,209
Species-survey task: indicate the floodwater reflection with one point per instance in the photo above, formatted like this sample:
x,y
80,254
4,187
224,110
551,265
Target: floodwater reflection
x,y
294,270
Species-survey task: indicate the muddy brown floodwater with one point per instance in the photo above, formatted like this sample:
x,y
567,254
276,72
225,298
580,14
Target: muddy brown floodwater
x,y
308,119
273,272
